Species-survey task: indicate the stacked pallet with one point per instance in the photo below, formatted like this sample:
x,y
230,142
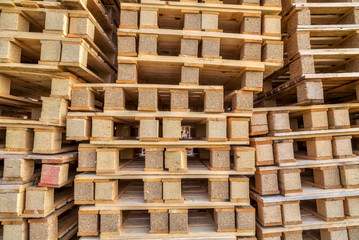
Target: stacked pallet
x,y
165,150
306,184
46,46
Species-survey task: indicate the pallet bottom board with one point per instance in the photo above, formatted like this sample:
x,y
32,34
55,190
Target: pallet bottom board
x,y
200,224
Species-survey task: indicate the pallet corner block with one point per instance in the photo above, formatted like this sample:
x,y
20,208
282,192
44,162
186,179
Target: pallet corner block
x,y
224,220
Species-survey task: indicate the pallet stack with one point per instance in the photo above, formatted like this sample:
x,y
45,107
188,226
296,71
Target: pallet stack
x,y
46,46
165,150
305,132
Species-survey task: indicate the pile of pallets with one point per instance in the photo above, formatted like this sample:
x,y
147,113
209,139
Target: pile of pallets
x,y
165,150
306,184
46,46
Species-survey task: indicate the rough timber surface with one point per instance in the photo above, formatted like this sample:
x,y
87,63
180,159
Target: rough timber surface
x,y
181,143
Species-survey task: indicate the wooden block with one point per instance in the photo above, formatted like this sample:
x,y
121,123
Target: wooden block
x,y
238,129
292,235
351,208
216,130
84,191
310,92
270,214
46,229
242,101
315,119
88,223
289,181
353,232
172,190
171,129
127,45
189,47
10,52
272,51
158,221
102,127
82,26
106,191
192,21
147,44
250,24
245,220
147,99
210,47
179,100
331,209
153,159
87,158
283,151
149,130
78,128
39,200
19,169
327,177
304,65
152,190
298,41
15,230
213,101
114,98
251,81
210,21
244,158
129,19
108,160
251,50
266,182
54,110
5,84
62,87
258,123
278,121
342,147
178,222
57,21
50,51
220,158
47,140
13,21
338,118
264,152
82,99
189,75
74,53
53,175
271,25
12,198
218,189
333,233
127,73
176,159
239,189
291,213
319,148
149,18
224,220
349,176
19,139
111,222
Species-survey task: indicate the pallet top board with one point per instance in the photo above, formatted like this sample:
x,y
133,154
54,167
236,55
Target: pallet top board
x,y
310,134
134,169
353,107
309,193
181,143
168,6
195,197
49,159
338,30
26,123
233,38
187,116
11,100
303,163
309,222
